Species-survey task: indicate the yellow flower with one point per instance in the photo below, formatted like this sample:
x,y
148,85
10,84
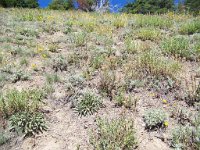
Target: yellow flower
x,y
152,94
34,66
40,49
164,101
166,123
44,55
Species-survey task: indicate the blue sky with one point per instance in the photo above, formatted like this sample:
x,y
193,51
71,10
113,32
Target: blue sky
x,y
119,3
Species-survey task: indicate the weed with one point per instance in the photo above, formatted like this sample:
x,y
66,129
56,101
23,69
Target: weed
x,y
3,138
115,134
52,78
153,21
27,123
59,64
88,104
15,101
148,34
177,46
155,118
158,66
190,27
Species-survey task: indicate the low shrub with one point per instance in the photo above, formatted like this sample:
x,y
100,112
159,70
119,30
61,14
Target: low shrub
x,y
27,123
155,118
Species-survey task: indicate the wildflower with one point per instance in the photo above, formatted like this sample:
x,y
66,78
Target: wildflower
x,y
166,123
34,66
40,49
152,94
164,101
44,55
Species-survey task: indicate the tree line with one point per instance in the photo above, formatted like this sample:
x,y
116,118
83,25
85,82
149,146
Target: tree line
x,y
137,6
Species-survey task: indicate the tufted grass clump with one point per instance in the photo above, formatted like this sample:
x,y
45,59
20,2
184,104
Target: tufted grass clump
x,y
28,123
148,34
3,138
187,136
88,104
114,134
177,46
14,101
158,66
59,64
153,21
190,27
155,118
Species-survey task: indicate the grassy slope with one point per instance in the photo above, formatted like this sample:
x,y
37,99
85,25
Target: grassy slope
x,y
132,62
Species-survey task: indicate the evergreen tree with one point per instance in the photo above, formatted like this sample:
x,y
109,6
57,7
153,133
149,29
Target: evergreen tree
x,y
193,5
20,3
149,6
61,4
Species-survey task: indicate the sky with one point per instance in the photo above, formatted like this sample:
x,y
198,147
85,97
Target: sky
x,y
119,3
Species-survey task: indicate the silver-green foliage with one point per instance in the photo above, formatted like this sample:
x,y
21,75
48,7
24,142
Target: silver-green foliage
x,y
154,118
28,123
88,103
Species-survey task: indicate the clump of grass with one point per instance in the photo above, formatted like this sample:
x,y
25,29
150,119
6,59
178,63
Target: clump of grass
x,y
131,46
158,66
120,21
52,78
190,27
155,118
59,64
88,104
3,138
107,83
53,47
177,46
114,134
148,34
153,21
79,39
17,101
28,123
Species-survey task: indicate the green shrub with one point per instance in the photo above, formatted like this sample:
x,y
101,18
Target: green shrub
x,y
27,123
190,27
155,118
17,101
113,135
177,46
88,104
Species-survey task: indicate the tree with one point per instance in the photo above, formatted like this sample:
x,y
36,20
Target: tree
x,y
193,5
92,5
61,4
20,3
149,6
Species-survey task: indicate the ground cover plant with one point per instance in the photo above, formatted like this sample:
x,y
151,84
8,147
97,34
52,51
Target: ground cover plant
x,y
79,80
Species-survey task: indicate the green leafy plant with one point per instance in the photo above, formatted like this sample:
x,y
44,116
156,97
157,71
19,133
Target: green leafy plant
x,y
114,134
88,103
155,118
28,123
